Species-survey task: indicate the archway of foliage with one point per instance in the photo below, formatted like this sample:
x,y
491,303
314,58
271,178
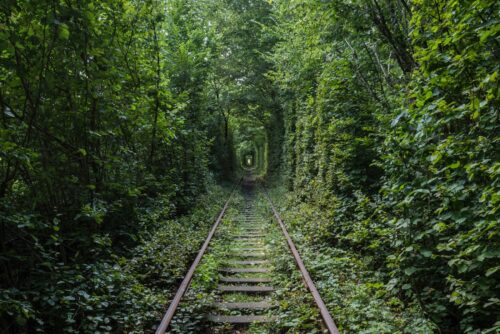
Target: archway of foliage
x,y
250,138
380,117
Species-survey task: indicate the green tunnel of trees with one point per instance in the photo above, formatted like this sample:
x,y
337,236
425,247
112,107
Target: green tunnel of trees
x,y
119,117
250,148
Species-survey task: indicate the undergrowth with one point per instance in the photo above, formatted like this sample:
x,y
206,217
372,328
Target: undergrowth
x,y
358,298
124,292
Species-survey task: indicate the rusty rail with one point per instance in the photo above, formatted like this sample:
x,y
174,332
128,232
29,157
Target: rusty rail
x,y
327,318
165,322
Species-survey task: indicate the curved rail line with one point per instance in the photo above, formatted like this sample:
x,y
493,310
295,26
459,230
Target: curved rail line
x,y
327,318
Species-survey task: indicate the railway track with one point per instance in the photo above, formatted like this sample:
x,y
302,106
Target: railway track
x,y
236,275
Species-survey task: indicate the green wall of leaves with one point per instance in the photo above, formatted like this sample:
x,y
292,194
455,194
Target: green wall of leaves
x,y
391,120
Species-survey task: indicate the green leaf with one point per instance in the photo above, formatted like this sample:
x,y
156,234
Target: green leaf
x,y
426,253
475,115
491,271
409,271
63,31
436,157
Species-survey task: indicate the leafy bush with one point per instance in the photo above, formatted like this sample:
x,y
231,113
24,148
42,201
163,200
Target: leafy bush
x,y
124,291
360,299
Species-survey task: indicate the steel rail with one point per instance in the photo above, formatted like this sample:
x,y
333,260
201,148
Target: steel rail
x,y
327,318
167,318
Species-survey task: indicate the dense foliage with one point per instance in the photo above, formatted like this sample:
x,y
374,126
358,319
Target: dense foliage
x,y
354,292
103,121
391,118
380,118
